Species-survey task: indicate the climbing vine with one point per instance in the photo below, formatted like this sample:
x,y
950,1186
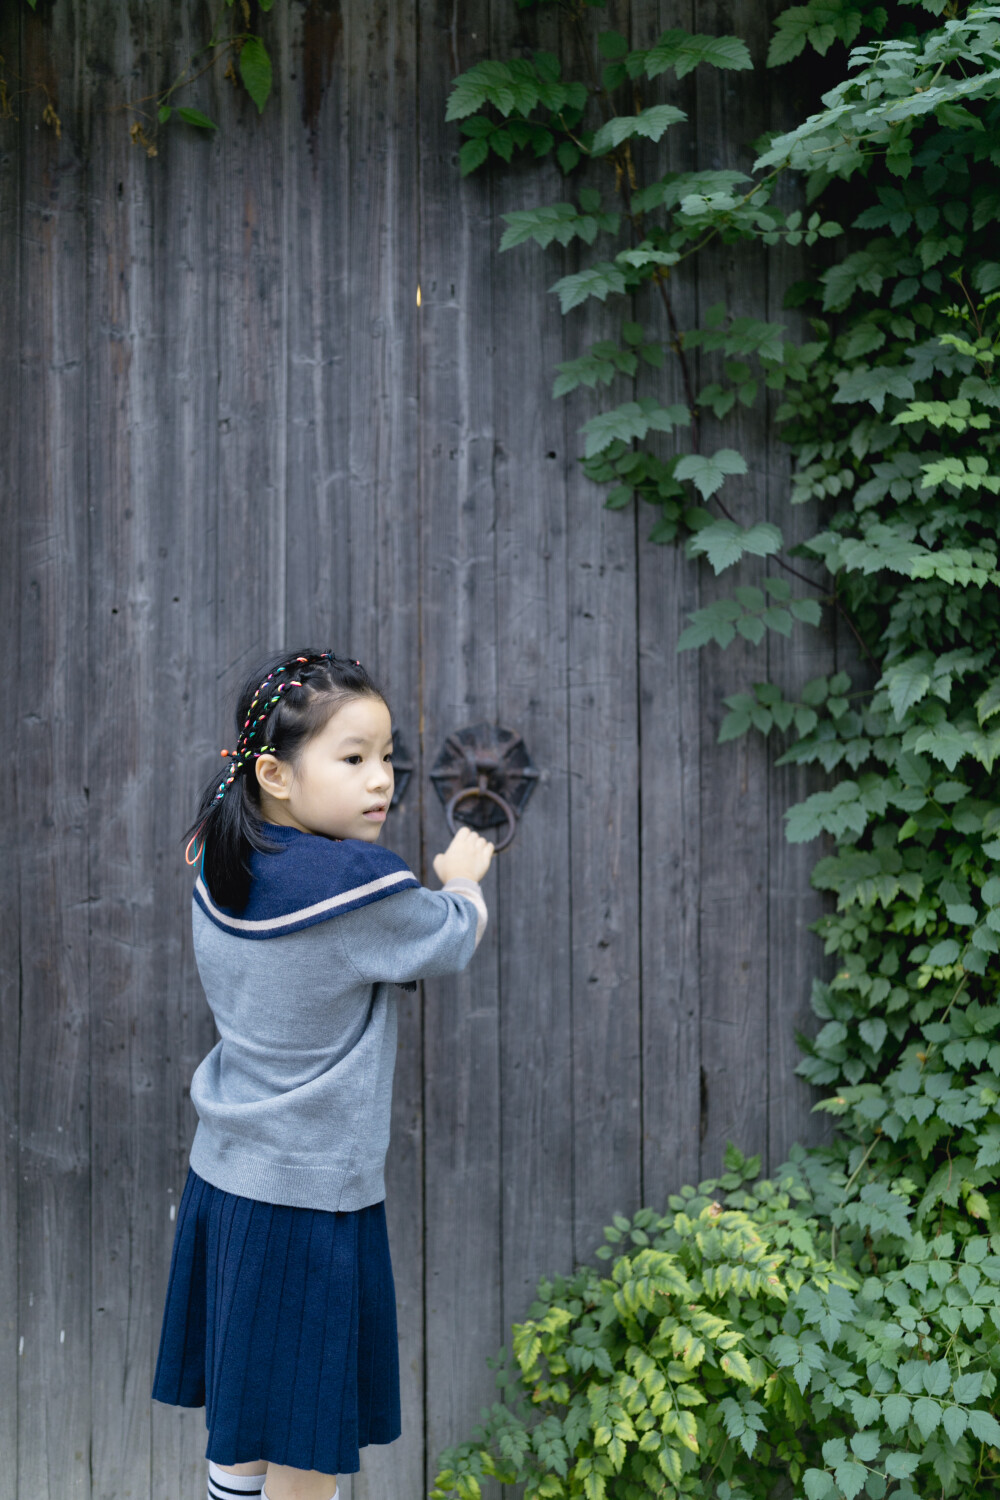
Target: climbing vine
x,y
232,38
838,1328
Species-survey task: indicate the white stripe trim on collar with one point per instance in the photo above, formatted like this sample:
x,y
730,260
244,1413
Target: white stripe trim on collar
x,y
275,924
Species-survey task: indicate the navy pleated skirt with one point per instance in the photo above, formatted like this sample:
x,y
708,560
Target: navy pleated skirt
x,y
281,1322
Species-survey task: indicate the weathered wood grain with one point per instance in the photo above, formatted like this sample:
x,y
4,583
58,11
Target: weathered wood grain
x,y
795,955
10,882
53,711
604,810
459,651
734,777
128,1020
532,876
317,210
181,369
381,505
669,732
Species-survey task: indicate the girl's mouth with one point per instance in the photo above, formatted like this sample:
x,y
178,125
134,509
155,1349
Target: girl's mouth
x,y
375,814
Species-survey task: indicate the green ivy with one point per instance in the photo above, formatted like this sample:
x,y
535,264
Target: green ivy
x,y
837,1329
253,70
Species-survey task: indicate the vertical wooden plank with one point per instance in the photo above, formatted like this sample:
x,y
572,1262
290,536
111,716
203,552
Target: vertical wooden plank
x,y
251,229
380,203
735,810
186,676
191,675
12,418
459,670
604,806
53,1084
795,955
319,597
126,997
669,732
531,878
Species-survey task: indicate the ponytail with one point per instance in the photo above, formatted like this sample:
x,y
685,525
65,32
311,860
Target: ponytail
x,y
304,691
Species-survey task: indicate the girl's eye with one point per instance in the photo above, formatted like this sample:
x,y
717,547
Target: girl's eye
x,y
389,756
353,757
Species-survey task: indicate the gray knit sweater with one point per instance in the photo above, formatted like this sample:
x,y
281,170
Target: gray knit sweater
x,y
293,1102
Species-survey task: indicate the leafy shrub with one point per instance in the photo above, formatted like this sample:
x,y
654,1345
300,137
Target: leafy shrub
x,y
727,1345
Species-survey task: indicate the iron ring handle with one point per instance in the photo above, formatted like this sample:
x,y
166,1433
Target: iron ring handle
x,y
482,791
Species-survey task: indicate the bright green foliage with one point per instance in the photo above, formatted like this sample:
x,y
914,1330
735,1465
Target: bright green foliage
x,y
865,1359
730,1348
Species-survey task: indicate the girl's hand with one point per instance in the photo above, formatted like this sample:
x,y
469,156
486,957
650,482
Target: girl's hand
x,y
468,854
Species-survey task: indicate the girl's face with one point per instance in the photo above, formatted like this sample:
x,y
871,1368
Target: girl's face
x,y
344,780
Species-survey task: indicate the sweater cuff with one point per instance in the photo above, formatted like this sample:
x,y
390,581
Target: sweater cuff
x,y
462,885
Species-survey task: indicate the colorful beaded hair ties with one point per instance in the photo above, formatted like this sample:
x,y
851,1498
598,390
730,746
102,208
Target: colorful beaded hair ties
x,y
244,752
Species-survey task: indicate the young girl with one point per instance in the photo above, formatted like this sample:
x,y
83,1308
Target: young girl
x,y
280,1313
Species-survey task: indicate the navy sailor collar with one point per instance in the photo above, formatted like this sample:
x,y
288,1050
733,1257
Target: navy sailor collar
x,y
312,879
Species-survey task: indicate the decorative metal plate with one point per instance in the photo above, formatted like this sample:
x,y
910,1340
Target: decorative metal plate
x,y
402,766
490,758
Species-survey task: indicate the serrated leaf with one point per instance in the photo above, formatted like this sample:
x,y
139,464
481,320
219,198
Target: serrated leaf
x,y
598,281
709,474
984,1426
255,70
927,1415
683,51
724,542
632,420
896,1411
650,123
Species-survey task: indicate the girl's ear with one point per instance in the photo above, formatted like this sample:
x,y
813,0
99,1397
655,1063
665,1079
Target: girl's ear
x,y
272,776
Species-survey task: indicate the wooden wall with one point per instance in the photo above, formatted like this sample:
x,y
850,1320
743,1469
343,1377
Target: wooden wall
x,y
227,425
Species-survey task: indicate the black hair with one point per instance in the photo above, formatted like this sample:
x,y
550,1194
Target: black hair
x,y
230,826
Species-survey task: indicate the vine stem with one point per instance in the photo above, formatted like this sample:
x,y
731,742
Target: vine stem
x,y
847,1188
678,339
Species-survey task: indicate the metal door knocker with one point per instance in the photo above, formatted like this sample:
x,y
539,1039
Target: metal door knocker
x,y
484,777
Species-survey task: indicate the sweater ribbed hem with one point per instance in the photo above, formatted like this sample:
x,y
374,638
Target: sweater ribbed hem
x,y
463,885
283,1183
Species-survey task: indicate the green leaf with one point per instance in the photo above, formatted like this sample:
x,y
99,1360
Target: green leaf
x,y
968,1387
896,1411
598,281
195,117
988,703
163,113
683,51
851,1478
984,1426
819,1485
724,542
874,384
865,1445
908,682
927,1415
471,155
255,70
649,123
709,474
901,1465
611,44
561,222
954,1421
632,420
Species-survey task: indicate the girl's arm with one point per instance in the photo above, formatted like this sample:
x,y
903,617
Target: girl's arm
x,y
414,934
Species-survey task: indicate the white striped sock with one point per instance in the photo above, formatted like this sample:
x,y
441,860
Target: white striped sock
x,y
224,1486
